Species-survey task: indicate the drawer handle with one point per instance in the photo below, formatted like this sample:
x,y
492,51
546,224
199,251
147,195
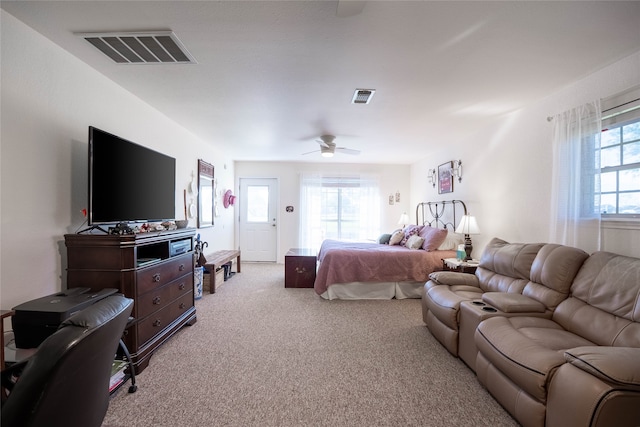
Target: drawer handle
x,y
181,305
181,268
156,301
156,277
301,270
157,322
181,286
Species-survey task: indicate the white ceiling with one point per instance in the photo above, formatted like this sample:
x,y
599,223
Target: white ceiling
x,y
271,76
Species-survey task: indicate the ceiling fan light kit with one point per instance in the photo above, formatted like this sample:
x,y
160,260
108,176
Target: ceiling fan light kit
x,y
328,147
326,152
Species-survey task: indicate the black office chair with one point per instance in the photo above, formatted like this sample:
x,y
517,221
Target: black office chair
x,y
66,382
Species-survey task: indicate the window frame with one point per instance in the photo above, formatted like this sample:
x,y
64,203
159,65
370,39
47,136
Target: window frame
x,y
617,112
314,188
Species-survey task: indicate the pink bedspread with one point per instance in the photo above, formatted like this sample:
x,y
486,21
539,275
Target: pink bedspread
x,y
345,262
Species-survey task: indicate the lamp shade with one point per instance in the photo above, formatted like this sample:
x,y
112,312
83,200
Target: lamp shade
x,y
468,225
404,219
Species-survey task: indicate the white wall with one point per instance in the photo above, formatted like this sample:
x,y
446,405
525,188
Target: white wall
x,y
393,178
507,168
49,99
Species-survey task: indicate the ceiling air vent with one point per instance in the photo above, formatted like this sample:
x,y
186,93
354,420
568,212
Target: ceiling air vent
x,y
158,47
362,96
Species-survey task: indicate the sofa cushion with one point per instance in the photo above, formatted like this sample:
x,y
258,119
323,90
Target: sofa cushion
x,y
610,282
526,349
604,306
552,273
506,267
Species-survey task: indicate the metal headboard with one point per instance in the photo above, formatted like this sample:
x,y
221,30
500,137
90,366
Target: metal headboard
x,y
444,214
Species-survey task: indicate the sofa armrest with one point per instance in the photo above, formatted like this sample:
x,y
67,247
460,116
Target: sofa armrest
x,y
616,365
453,278
513,303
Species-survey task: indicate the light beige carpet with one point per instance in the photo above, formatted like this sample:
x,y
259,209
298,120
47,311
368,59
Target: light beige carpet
x,y
263,355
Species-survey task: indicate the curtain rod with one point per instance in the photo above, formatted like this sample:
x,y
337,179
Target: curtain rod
x,y
635,107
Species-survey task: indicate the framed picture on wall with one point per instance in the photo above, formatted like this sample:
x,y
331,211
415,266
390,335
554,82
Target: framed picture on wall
x,y
445,180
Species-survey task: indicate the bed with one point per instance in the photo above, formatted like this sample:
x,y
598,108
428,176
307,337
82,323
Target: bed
x,y
367,270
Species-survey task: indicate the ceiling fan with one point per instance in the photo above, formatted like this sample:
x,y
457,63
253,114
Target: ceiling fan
x,y
328,147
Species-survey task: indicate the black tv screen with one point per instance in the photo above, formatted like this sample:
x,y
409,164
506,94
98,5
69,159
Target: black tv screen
x,y
128,182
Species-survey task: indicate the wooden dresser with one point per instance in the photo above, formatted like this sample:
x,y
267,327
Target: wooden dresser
x,y
154,269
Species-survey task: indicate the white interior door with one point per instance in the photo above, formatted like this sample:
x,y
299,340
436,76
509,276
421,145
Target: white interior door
x,y
258,219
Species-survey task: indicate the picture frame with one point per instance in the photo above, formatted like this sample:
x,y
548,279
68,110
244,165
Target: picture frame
x,y
445,179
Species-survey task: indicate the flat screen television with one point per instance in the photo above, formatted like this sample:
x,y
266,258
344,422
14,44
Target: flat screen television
x,y
128,182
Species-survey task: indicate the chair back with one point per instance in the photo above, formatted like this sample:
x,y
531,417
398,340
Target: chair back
x,y
66,382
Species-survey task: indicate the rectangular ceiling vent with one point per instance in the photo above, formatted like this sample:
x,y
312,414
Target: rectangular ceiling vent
x,y
362,96
158,47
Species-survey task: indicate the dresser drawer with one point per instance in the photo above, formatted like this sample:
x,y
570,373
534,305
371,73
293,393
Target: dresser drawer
x,y
156,322
159,297
158,275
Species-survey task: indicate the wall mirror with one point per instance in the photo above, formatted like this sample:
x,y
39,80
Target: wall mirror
x,y
206,194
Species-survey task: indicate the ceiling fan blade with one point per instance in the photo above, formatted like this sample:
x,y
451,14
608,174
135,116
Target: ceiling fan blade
x,y
348,8
310,152
322,143
344,150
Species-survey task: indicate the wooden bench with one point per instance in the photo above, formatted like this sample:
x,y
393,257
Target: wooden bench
x,y
216,260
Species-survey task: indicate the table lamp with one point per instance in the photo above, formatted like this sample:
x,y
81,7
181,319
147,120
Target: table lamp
x,y
404,219
468,225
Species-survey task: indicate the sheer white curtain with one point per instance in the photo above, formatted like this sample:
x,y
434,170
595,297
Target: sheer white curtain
x,y
338,207
575,202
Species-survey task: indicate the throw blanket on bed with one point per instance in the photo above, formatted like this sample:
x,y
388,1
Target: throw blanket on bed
x,y
345,262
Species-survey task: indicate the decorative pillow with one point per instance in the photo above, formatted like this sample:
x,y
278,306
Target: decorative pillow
x,y
384,239
433,238
409,231
396,237
451,242
414,242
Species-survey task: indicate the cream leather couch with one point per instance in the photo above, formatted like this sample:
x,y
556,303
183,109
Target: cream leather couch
x,y
581,366
513,279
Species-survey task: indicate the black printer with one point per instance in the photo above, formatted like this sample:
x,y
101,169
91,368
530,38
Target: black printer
x,y
35,320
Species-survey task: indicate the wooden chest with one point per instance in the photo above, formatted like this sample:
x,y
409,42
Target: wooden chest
x,y
299,268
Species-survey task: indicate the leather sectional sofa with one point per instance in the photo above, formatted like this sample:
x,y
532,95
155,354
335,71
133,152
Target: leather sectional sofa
x,y
552,333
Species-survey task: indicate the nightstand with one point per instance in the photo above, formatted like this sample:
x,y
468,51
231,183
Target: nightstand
x,y
453,264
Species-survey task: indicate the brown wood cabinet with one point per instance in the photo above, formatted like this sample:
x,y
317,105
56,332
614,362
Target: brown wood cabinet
x,y
299,268
154,269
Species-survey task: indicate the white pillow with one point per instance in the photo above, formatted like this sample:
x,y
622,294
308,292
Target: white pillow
x,y
414,242
451,242
396,237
